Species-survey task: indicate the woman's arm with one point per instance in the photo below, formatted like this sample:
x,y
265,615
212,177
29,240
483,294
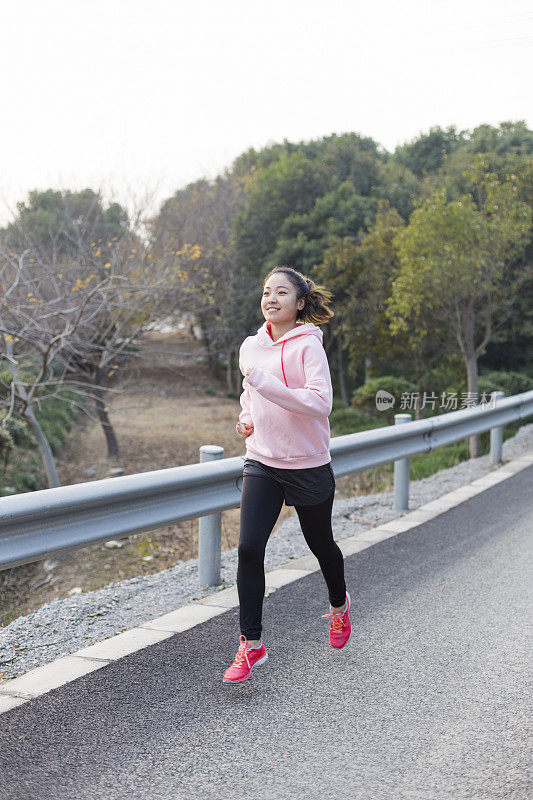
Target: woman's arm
x,y
245,402
314,400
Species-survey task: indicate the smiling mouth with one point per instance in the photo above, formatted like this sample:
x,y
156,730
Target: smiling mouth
x,y
272,309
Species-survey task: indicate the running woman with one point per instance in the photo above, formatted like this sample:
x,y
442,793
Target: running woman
x,y
286,403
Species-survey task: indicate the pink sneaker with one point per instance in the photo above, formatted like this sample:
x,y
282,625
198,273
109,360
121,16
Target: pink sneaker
x,y
246,658
340,627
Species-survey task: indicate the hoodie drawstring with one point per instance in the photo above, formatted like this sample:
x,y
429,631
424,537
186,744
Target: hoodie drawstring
x,y
284,378
264,334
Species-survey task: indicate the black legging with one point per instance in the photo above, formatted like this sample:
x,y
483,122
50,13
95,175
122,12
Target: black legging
x,y
261,503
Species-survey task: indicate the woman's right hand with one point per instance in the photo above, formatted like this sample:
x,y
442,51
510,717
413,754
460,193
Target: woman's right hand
x,y
244,430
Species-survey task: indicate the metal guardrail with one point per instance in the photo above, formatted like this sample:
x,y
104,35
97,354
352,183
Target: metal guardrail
x,y
37,524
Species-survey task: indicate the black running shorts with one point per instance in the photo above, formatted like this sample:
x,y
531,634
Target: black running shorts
x,y
301,487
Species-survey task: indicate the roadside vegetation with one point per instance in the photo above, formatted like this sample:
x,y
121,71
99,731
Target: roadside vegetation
x,y
120,333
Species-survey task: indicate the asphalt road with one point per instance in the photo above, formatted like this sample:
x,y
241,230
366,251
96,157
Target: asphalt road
x,y
430,699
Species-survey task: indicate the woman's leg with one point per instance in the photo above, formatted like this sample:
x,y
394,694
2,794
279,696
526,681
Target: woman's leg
x,y
315,522
261,502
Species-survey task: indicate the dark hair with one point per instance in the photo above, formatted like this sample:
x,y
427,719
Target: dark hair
x,y
316,297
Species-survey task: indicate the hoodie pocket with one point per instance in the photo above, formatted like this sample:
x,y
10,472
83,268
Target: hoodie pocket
x,y
288,435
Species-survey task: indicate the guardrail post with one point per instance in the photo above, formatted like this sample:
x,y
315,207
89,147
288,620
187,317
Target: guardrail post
x,y
496,435
209,532
401,473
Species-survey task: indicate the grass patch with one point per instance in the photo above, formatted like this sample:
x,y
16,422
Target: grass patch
x,y
350,420
344,420
425,464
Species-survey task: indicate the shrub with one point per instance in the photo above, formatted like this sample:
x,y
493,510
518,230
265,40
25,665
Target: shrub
x,y
352,420
26,373
13,433
364,398
447,373
508,382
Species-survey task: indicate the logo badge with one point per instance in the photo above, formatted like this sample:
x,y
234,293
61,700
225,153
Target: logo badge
x,y
384,400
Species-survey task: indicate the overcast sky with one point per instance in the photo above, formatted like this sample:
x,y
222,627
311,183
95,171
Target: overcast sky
x,y
136,95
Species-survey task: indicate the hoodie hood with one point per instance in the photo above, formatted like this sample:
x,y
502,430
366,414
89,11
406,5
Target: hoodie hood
x,y
301,329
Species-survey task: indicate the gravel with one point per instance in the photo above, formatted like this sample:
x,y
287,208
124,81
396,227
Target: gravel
x,y
63,626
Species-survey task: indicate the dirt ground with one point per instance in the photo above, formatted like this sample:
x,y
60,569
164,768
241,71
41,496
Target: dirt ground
x,y
167,407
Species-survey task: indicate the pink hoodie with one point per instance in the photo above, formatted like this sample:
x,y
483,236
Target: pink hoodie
x,y
287,398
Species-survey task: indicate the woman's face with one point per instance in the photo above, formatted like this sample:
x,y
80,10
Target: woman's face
x,y
278,303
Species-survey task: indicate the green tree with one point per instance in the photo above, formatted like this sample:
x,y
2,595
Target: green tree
x,y
398,185
335,215
348,157
428,151
54,225
360,274
204,214
456,260
287,186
